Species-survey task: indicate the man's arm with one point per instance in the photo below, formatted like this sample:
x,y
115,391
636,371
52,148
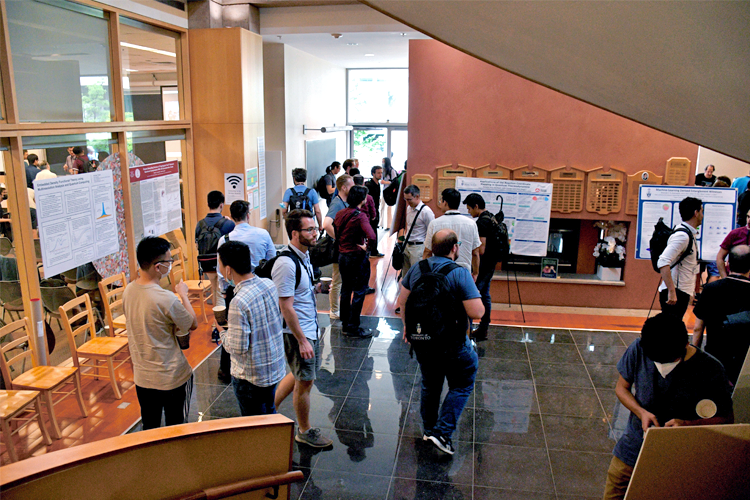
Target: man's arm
x,y
698,330
234,339
318,215
331,188
720,262
483,246
402,296
475,263
474,308
676,422
666,275
285,209
622,390
181,290
426,254
286,304
328,227
676,246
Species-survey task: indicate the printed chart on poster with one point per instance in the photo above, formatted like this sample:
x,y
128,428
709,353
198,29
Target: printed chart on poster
x,y
526,206
719,214
262,176
234,188
155,191
76,220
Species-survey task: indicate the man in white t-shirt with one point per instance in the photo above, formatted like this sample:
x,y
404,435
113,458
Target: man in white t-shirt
x,y
465,228
45,172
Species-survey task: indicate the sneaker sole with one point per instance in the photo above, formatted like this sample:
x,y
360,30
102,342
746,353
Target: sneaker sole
x,y
439,445
305,442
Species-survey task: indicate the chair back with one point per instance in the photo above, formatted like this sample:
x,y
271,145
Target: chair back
x,y
71,324
111,294
55,296
8,359
6,246
38,249
9,291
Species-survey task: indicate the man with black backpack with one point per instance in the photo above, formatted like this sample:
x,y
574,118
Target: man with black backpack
x,y
437,297
208,231
678,263
301,197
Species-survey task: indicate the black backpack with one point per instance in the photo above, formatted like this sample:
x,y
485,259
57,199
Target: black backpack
x,y
390,193
659,240
497,242
208,241
265,267
322,188
300,201
743,207
435,320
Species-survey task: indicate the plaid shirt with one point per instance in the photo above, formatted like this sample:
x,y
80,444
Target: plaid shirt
x,y
253,337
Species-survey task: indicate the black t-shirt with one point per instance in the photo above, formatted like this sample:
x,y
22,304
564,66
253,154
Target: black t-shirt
x,y
702,180
373,187
486,228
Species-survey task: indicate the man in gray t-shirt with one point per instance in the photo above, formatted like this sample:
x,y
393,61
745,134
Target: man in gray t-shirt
x,y
292,276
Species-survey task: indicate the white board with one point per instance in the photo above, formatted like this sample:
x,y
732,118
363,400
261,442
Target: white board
x,y
234,188
76,220
526,205
719,214
155,191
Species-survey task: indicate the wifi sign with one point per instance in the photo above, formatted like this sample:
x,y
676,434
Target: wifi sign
x,y
234,180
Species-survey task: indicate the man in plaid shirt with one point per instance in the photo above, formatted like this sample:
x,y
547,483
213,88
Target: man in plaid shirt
x,y
253,337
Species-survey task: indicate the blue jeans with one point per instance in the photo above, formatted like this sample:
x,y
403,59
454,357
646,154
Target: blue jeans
x,y
355,276
254,400
460,368
483,285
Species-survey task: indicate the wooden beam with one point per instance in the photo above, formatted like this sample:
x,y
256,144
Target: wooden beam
x,y
191,209
122,146
61,128
115,83
10,106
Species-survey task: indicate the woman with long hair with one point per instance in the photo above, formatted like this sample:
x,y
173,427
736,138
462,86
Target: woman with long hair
x,y
389,174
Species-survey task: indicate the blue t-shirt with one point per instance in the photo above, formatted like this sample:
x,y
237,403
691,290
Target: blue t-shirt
x,y
333,208
312,195
676,396
460,279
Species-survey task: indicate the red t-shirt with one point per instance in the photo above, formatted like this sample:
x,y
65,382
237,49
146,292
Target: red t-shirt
x,y
352,229
739,236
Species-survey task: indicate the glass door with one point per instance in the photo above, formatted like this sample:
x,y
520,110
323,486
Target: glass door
x,y
369,146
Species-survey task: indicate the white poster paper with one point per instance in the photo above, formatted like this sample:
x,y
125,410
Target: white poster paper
x,y
262,176
526,206
76,220
156,187
719,214
234,188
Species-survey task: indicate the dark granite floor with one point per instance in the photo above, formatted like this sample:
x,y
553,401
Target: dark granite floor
x,y
541,423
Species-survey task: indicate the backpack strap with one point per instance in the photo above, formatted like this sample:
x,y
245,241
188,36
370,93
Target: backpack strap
x,y
424,267
446,270
414,223
297,265
689,248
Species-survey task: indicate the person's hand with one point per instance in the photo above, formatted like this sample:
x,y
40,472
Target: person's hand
x,y
306,350
406,341
474,276
181,288
675,422
648,419
672,297
363,246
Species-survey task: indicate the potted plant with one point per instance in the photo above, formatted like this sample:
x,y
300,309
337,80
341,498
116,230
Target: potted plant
x,y
610,250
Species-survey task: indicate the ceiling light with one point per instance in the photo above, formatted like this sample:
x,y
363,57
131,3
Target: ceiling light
x,y
352,44
369,55
148,49
403,34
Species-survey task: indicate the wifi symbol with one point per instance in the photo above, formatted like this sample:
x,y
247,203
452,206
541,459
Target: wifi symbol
x,y
234,180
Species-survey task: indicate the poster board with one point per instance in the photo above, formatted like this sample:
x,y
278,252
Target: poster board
x,y
526,206
496,172
234,188
709,462
447,176
719,214
262,178
529,173
604,191
567,189
424,182
678,172
76,220
155,191
635,180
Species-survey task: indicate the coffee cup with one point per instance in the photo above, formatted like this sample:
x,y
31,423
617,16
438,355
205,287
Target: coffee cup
x,y
220,314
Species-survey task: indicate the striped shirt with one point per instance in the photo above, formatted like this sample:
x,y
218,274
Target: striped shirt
x,y
253,337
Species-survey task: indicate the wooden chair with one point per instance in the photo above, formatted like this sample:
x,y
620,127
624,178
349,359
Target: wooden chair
x,y
45,379
112,301
95,350
12,405
10,298
6,246
52,298
196,288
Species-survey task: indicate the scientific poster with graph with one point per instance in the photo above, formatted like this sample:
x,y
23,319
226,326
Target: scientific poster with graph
x,y
155,191
234,188
76,217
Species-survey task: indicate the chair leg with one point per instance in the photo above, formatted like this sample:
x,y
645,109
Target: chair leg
x,y
56,433
8,438
111,367
40,421
203,307
79,393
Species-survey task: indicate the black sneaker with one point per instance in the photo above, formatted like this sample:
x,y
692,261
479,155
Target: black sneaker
x,y
359,333
443,444
377,255
224,377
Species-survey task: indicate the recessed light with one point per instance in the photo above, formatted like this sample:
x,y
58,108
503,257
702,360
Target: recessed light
x,y
352,44
148,49
369,55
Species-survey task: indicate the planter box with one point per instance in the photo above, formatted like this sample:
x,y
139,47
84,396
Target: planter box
x,y
609,273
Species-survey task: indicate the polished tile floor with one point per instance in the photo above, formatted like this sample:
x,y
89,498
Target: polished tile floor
x,y
541,423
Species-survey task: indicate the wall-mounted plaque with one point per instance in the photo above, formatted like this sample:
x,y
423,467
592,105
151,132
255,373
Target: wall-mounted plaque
x,y
567,189
635,180
447,176
604,191
529,173
495,172
424,183
678,172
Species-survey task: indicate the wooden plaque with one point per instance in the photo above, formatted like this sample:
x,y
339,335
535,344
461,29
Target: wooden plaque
x,y
424,183
530,173
496,172
604,191
634,181
447,176
567,189
678,172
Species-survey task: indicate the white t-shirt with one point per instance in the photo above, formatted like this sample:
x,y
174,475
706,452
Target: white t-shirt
x,y
466,230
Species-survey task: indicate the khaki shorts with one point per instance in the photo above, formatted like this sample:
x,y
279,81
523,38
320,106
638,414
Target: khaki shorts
x,y
302,369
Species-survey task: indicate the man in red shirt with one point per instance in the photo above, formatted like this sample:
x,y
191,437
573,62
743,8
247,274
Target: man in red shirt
x,y
739,236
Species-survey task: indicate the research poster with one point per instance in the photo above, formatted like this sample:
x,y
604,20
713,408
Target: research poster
x,y
234,188
155,191
526,205
76,220
655,202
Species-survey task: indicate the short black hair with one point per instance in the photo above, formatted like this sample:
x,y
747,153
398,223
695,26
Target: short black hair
x,y
474,200
725,179
348,164
215,198
32,158
412,190
236,255
293,220
77,150
239,210
452,197
358,180
375,169
357,194
353,171
150,249
299,175
664,338
688,207
442,247
739,259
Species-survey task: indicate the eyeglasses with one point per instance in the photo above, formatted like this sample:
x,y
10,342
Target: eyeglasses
x,y
459,243
310,230
165,261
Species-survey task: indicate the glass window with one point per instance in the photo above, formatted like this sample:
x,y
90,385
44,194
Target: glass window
x,y
60,54
399,148
149,71
378,96
370,147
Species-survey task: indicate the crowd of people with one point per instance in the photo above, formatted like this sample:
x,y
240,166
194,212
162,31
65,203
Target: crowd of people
x,y
271,343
